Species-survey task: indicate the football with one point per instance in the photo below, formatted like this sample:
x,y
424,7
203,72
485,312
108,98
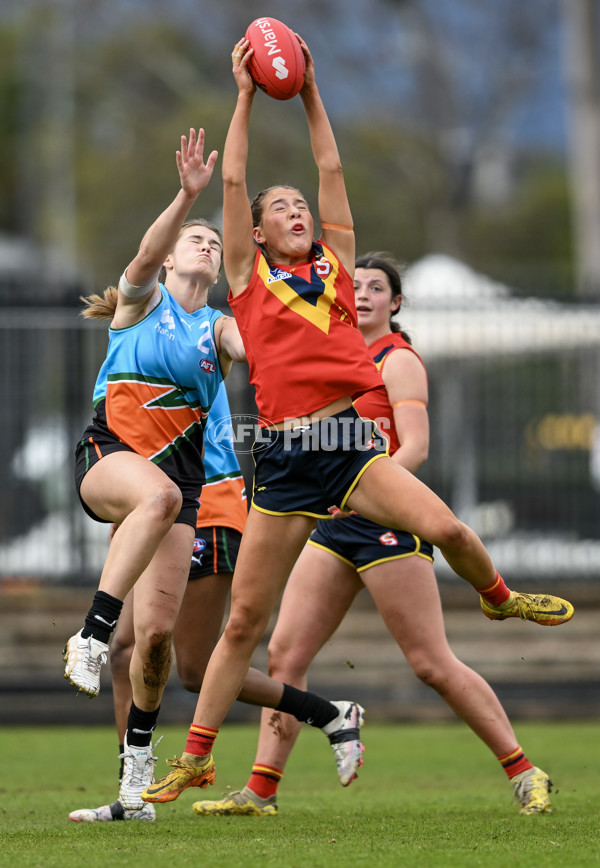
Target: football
x,y
277,65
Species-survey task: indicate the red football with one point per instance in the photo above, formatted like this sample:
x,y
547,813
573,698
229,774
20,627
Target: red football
x,y
277,65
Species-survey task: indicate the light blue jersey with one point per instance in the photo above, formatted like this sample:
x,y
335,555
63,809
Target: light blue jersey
x,y
159,380
223,500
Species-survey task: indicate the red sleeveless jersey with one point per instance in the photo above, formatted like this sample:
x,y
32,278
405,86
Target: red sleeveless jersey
x,y
298,324
376,404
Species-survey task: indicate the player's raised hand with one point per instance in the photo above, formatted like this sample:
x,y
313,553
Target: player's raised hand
x,y
239,57
194,173
309,72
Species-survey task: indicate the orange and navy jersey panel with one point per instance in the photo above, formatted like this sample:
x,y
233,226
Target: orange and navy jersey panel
x,y
150,417
183,465
376,404
223,502
160,378
298,324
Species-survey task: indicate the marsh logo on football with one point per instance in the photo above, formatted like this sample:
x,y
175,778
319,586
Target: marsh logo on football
x,y
241,433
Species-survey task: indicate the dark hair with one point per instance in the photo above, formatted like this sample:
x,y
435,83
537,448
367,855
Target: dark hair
x,y
386,263
196,221
257,203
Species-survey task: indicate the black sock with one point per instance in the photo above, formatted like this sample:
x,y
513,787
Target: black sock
x,y
307,707
122,761
102,618
140,726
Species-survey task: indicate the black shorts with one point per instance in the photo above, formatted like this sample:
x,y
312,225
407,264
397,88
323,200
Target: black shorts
x,y
98,441
312,467
363,544
215,551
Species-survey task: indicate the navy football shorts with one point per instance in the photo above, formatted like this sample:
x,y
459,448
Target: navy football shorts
x,y
307,469
363,544
215,551
98,441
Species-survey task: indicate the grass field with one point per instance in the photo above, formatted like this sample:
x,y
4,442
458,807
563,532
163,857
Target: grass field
x,y
428,795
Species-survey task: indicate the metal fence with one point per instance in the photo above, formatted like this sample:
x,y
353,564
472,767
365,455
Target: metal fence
x,y
514,445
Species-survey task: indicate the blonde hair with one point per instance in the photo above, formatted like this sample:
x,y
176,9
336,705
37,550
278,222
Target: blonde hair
x,y
100,306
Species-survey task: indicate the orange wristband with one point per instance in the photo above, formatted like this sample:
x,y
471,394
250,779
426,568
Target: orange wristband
x,y
408,403
337,226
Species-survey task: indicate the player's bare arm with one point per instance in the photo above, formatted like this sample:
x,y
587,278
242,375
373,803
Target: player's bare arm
x,y
238,257
229,343
138,287
334,208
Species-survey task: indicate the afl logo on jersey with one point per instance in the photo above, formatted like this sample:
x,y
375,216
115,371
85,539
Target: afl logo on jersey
x,y
207,366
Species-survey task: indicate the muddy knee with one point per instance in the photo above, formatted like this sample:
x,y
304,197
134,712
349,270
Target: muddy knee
x,y
165,504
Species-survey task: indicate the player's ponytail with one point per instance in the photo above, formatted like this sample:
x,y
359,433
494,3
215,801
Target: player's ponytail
x,y
100,306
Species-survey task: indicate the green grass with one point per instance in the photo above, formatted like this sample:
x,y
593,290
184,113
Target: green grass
x,y
428,795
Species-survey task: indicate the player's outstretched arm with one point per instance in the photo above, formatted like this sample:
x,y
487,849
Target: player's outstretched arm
x,y
334,208
140,278
159,240
239,250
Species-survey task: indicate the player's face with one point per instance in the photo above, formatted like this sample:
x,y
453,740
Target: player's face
x,y
286,227
198,251
373,296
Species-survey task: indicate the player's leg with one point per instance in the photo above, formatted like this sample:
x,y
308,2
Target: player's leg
x,y
406,593
270,546
199,625
121,648
318,594
131,491
388,494
201,617
157,599
197,631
